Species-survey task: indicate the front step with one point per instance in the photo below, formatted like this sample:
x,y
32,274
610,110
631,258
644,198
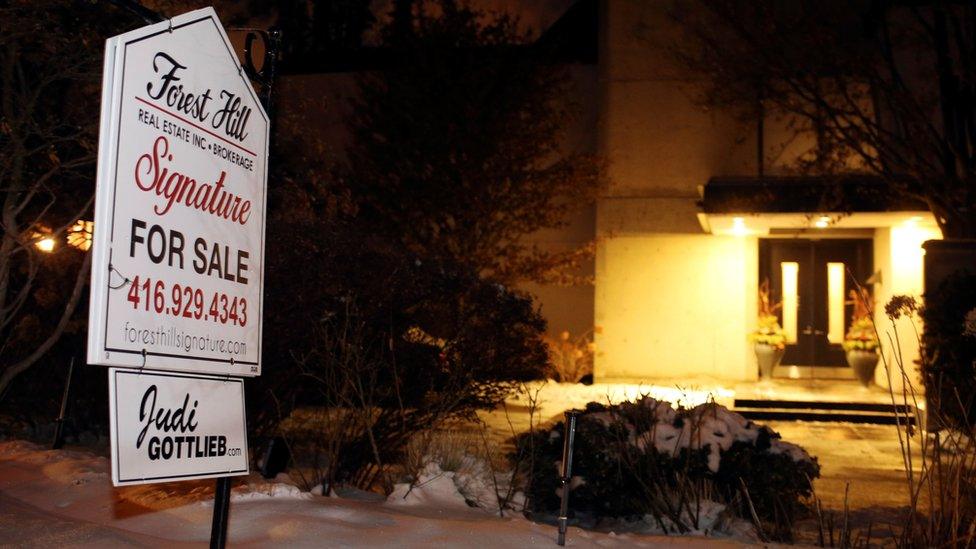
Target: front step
x,y
840,412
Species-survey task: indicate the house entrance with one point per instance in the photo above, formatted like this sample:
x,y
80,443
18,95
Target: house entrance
x,y
813,280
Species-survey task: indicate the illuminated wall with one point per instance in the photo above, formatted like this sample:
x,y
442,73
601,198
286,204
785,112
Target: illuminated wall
x,y
675,306
898,254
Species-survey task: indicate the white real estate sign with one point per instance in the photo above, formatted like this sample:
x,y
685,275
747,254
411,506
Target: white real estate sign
x,y
178,264
175,426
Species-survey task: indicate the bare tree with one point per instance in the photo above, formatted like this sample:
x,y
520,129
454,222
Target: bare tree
x,y
457,148
887,86
50,57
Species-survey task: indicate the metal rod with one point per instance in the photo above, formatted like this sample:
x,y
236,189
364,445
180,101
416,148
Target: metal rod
x,y
567,472
218,530
59,423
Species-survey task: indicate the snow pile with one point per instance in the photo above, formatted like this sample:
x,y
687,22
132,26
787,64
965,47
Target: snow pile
x,y
433,487
712,518
282,487
469,485
63,466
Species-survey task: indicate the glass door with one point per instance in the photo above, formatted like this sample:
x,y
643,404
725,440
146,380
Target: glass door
x,y
813,280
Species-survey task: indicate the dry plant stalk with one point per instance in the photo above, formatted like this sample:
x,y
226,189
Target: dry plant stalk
x,y
941,481
570,359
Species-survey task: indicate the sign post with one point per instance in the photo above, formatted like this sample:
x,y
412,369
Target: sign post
x,y
178,254
218,528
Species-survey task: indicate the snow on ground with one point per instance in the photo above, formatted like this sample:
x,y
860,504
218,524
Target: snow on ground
x,y
65,497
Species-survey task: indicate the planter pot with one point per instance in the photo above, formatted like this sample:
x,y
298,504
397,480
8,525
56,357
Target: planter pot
x,y
863,363
768,357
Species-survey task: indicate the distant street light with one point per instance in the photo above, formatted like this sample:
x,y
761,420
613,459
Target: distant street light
x,y
78,236
45,244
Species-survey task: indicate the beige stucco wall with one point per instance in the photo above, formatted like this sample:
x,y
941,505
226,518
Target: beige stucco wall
x,y
670,300
567,308
675,306
570,308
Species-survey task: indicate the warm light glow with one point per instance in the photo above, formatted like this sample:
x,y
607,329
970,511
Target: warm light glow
x,y
790,271
637,339
45,244
835,302
907,252
80,234
739,226
822,223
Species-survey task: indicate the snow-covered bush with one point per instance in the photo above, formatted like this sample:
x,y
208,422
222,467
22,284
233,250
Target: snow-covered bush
x,y
645,459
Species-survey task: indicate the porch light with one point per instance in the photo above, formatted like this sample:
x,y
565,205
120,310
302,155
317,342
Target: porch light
x,y
739,227
822,222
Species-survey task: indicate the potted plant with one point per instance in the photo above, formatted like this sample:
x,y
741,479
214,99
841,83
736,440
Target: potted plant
x,y
571,358
769,339
861,341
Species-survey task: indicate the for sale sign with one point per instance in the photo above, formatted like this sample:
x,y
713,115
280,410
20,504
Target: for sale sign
x,y
178,249
169,426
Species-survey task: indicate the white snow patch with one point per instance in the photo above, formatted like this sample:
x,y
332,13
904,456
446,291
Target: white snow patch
x,y
269,490
41,503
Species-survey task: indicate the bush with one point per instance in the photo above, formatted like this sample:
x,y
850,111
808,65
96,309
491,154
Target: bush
x,y
570,359
646,460
948,353
399,344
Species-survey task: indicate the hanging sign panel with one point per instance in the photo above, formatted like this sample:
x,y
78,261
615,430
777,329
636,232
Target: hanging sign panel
x,y
168,426
178,265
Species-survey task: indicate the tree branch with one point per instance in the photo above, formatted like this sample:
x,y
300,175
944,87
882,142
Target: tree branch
x,y
12,371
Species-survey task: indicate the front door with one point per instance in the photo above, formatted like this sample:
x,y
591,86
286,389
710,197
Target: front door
x,y
813,280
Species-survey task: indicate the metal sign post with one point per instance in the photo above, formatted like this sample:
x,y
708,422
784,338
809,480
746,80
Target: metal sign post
x,y
218,529
59,428
567,472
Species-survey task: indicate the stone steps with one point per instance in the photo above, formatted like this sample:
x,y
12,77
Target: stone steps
x,y
838,412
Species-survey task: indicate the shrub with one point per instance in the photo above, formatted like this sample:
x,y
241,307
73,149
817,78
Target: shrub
x,y
570,359
645,459
401,345
948,354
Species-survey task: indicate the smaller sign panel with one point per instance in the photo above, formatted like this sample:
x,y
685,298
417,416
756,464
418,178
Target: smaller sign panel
x,y
168,426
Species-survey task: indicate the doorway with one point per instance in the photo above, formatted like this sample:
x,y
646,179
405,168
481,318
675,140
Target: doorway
x,y
812,278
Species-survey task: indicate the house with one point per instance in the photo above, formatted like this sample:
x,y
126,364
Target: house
x,y
700,209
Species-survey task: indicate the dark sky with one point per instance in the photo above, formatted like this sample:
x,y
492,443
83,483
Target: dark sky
x,y
536,15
